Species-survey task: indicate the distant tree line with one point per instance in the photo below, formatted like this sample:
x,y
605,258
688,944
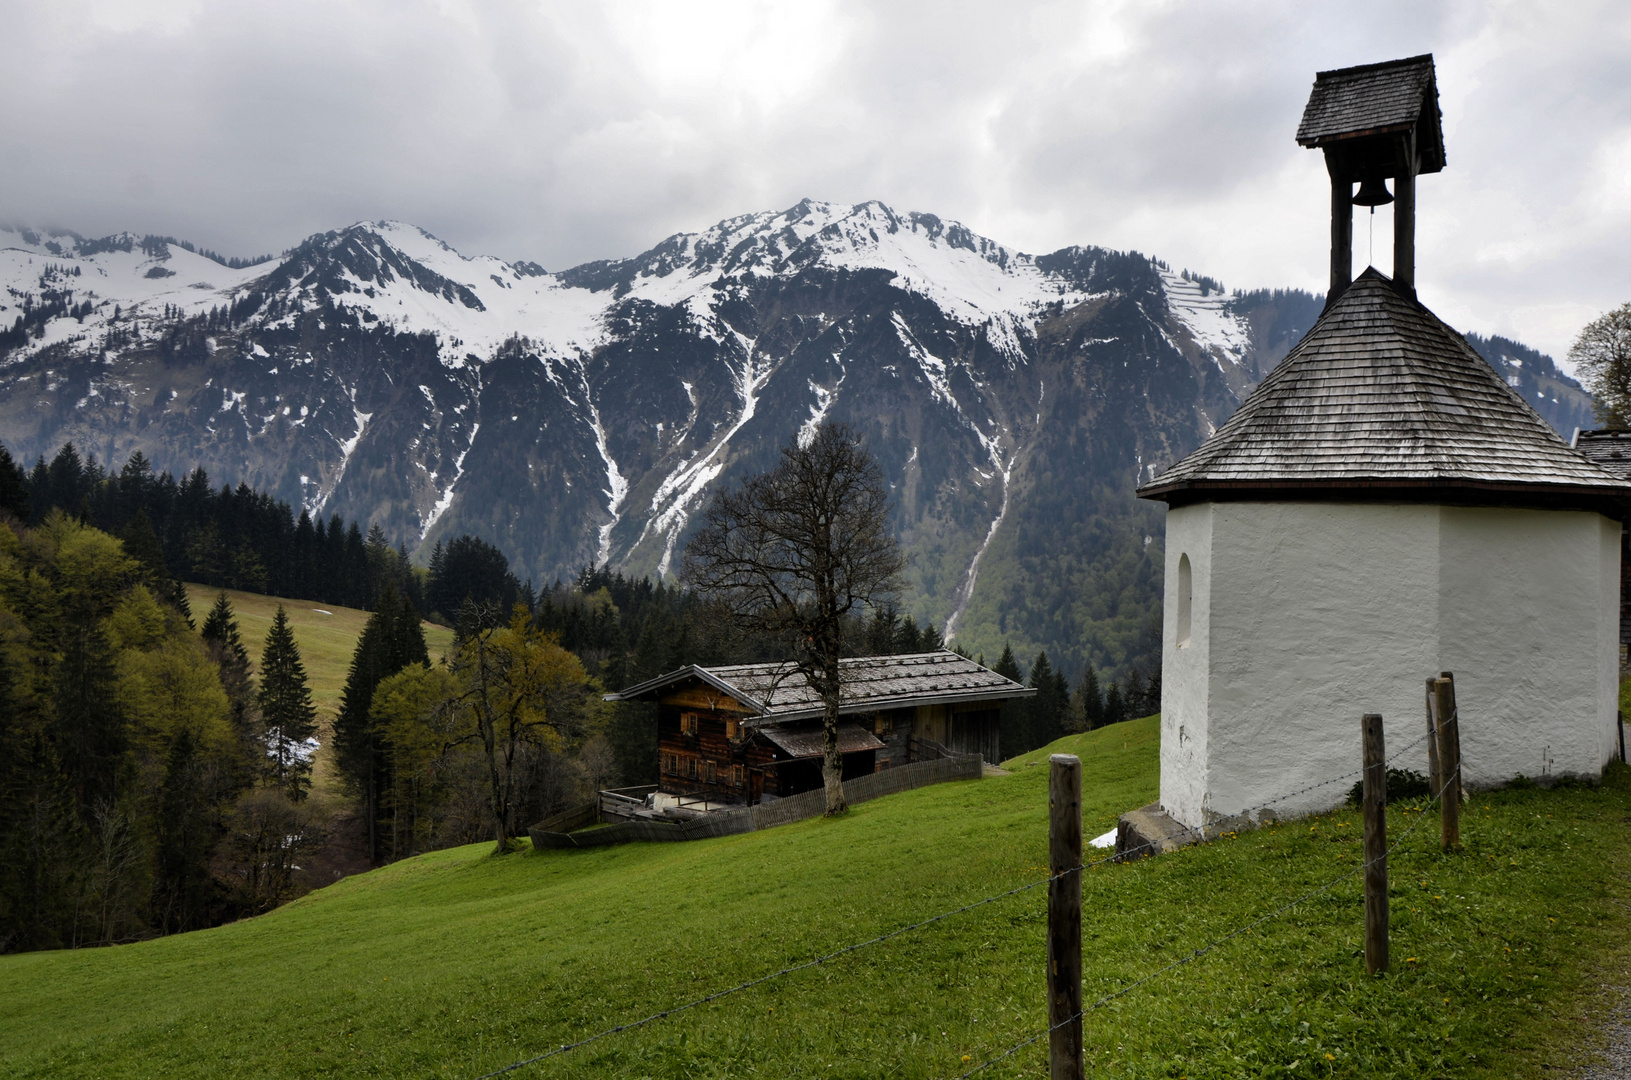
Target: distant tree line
x,y
227,537
1056,710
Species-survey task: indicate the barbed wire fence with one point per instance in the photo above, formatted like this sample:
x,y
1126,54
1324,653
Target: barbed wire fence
x,y
1201,951
1201,833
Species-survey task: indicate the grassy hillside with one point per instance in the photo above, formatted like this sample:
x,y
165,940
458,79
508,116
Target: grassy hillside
x,y
327,636
457,963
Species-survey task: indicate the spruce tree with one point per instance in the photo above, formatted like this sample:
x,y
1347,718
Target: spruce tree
x,y
220,634
13,487
182,889
1013,726
1115,706
179,601
391,640
1047,708
142,544
1091,699
287,715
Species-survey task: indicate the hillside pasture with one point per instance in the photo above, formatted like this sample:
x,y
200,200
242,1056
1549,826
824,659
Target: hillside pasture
x,y
457,963
327,636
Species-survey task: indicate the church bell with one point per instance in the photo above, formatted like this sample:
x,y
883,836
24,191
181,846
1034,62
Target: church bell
x,y
1372,193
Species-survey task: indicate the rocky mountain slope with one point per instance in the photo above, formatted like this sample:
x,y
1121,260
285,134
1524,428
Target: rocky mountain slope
x,y
585,416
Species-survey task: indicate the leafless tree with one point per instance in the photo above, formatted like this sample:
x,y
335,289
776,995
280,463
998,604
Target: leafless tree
x,y
795,552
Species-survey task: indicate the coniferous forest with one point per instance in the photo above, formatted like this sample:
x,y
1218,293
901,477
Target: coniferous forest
x,y
155,777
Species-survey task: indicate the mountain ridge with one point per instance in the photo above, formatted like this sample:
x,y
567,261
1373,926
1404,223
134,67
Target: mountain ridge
x,y
1014,401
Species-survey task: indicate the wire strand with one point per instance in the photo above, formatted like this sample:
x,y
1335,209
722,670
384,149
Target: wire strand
x,y
1214,943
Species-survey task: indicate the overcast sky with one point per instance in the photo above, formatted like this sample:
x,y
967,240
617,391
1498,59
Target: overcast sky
x,y
563,132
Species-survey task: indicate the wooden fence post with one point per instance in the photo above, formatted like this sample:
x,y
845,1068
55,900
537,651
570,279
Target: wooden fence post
x,y
1455,710
1065,917
1433,778
1449,764
1375,813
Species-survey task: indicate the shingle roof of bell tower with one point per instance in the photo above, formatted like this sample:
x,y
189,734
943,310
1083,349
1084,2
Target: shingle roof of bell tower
x,y
1382,395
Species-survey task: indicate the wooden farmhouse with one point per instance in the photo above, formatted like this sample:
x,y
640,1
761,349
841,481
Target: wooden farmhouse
x,y
746,733
1383,507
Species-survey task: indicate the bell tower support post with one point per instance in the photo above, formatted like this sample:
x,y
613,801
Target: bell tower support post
x,y
1342,232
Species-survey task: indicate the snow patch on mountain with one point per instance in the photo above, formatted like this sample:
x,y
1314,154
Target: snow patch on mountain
x,y
446,498
1205,313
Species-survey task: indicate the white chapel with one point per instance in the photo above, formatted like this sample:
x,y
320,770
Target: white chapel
x,y
1381,508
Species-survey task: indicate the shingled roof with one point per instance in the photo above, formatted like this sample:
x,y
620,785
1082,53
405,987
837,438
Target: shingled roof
x,y
1376,99
778,692
1608,449
1380,400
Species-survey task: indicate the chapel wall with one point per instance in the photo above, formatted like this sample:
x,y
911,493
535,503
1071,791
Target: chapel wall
x,y
1529,615
1318,613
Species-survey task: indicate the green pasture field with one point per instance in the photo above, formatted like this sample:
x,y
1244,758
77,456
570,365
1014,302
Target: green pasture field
x,y
457,963
327,637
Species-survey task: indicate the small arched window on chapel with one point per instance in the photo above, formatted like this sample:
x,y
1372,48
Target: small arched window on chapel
x,y
1185,593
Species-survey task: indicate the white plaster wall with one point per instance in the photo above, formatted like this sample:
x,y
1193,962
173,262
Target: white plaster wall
x,y
1184,671
1608,641
1529,611
1307,615
1320,613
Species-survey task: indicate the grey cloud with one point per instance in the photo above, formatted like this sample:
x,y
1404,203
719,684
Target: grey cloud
x,y
562,133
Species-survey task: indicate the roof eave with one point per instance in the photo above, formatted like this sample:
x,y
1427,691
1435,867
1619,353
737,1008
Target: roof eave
x,y
690,671
1179,492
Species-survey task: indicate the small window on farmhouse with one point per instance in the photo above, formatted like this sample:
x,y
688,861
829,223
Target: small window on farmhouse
x,y
733,727
709,767
688,723
738,775
691,768
1185,592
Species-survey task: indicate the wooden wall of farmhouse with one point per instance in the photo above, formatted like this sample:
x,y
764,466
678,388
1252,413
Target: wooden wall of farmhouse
x,y
708,762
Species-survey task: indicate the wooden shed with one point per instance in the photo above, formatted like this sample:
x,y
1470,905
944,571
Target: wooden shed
x,y
743,733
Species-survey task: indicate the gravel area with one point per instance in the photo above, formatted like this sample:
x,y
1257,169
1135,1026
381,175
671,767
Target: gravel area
x,y
1617,1063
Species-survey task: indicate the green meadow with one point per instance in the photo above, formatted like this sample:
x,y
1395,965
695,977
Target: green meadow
x,y
457,963
327,637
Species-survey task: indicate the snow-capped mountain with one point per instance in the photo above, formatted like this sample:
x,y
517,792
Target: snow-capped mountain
x,y
585,416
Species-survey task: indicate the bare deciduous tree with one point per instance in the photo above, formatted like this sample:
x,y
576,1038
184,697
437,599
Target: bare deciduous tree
x,y
1602,357
795,552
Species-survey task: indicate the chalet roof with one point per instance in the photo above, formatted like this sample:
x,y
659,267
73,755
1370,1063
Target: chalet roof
x,y
779,692
1377,99
809,740
1381,395
1607,449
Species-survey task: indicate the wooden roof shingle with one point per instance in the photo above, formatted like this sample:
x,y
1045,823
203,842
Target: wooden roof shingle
x,y
1376,99
778,692
1382,399
1608,449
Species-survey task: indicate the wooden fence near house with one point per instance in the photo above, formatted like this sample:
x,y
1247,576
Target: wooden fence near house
x,y
557,832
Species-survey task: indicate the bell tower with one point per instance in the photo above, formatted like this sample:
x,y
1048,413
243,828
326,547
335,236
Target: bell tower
x,y
1376,122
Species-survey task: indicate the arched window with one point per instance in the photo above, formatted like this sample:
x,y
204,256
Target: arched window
x,y
1185,593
